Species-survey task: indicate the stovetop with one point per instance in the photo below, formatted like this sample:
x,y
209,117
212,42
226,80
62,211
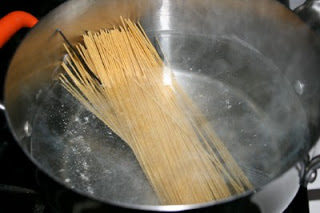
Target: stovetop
x,y
20,190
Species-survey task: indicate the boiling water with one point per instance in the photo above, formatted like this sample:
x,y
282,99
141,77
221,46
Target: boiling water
x,y
246,99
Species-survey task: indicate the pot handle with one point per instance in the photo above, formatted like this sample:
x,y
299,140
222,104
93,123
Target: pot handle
x,y
309,12
308,169
14,21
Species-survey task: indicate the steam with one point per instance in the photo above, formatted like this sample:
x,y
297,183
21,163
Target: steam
x,y
250,104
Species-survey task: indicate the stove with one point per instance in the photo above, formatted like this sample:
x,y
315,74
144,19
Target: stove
x,y
21,189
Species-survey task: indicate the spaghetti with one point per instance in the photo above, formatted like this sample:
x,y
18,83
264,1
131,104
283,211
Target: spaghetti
x,y
140,100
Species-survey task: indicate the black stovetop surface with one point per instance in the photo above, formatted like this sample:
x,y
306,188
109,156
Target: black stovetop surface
x,y
19,186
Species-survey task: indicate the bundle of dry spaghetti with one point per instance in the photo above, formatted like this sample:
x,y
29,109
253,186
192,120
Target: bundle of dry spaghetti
x,y
137,96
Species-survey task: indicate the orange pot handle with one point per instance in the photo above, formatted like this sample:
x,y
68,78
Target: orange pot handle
x,y
14,21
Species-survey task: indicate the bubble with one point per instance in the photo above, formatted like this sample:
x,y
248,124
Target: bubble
x,y
84,177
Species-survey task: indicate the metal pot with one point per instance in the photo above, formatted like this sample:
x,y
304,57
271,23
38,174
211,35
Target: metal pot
x,y
251,65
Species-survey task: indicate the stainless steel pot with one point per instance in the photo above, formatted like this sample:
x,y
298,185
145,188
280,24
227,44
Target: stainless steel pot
x,y
252,66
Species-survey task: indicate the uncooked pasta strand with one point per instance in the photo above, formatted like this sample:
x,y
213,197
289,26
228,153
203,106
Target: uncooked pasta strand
x,y
182,157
